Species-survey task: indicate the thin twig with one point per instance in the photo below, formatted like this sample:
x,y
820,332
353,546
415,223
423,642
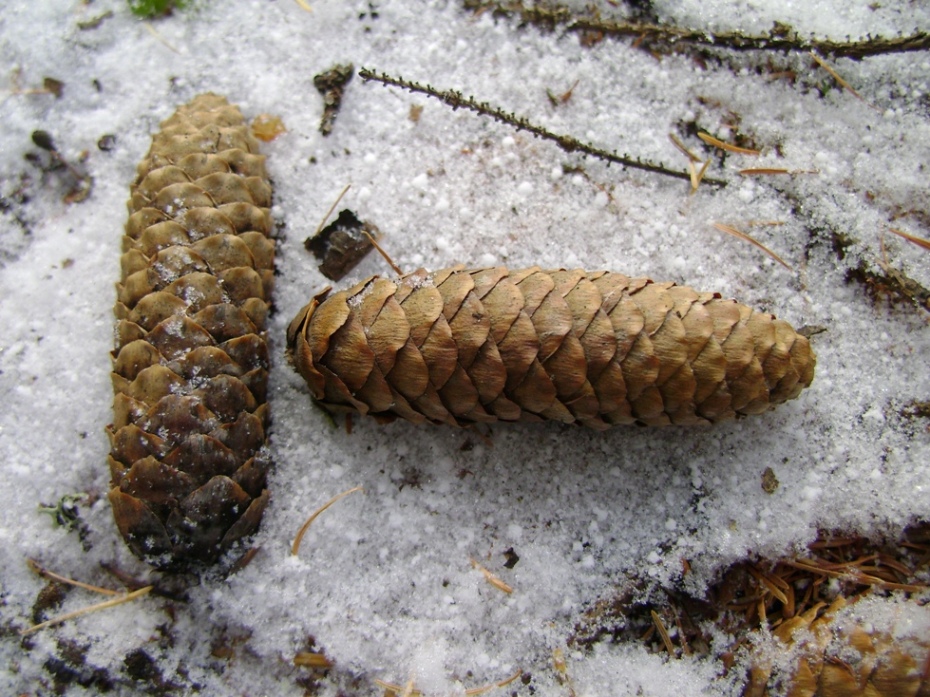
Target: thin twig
x,y
569,144
303,528
780,40
128,597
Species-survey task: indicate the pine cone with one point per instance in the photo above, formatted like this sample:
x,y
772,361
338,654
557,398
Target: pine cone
x,y
190,370
843,659
461,346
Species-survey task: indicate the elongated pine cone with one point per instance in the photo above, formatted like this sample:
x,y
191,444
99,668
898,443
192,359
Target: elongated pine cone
x,y
458,346
842,658
188,457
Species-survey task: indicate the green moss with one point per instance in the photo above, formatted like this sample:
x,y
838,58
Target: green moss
x,y
149,9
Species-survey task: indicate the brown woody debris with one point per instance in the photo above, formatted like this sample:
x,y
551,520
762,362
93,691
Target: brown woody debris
x,y
342,244
462,346
190,367
331,84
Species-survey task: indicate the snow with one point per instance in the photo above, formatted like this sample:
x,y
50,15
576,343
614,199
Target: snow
x,y
384,583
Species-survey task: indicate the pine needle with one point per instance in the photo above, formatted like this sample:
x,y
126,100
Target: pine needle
x,y
771,584
717,143
919,241
309,659
743,236
304,5
697,174
663,632
303,529
128,597
836,76
683,148
487,688
387,257
390,688
45,573
761,171
492,579
331,209
856,577
154,32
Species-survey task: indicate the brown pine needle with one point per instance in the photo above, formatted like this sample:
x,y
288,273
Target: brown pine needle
x,y
743,236
491,578
387,257
154,32
45,573
303,528
762,171
697,174
487,688
836,76
390,688
128,597
717,143
771,584
681,146
663,632
864,579
919,241
309,659
331,209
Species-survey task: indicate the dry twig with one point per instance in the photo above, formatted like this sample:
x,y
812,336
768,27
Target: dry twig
x,y
568,143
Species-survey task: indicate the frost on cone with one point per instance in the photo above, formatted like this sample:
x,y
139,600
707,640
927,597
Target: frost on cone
x,y
459,346
187,459
842,658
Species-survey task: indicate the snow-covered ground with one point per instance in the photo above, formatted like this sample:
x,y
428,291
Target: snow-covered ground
x,y
384,584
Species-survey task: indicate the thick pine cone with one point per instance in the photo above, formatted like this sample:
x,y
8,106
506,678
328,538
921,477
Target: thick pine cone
x,y
190,370
842,659
460,346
